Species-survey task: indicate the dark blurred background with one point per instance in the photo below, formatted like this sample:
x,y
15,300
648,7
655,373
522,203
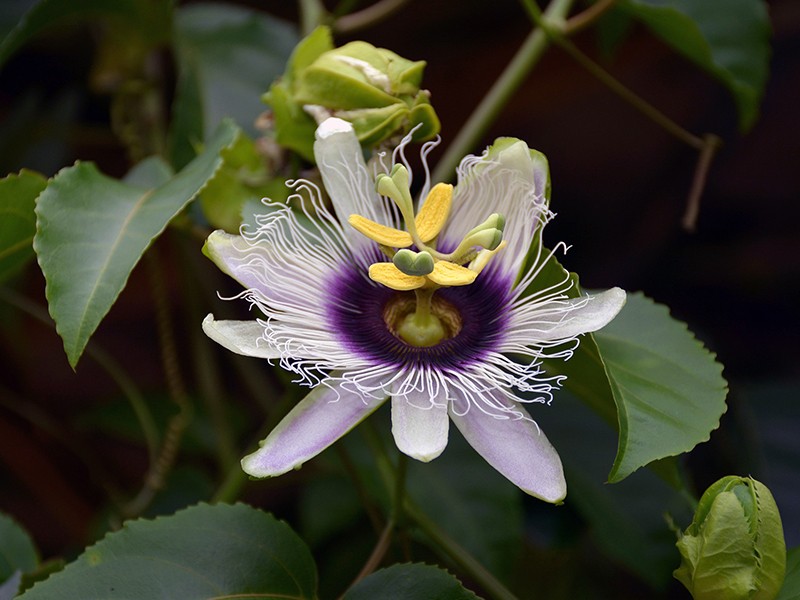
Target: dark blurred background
x,y
620,185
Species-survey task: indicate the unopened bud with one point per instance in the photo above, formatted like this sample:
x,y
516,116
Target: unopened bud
x,y
734,548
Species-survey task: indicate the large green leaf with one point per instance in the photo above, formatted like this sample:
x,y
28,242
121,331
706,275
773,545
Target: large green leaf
x,y
227,57
791,585
203,552
48,14
17,220
668,388
17,552
728,38
92,230
410,582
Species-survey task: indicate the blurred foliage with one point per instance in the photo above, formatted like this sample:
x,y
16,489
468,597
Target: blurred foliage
x,y
159,109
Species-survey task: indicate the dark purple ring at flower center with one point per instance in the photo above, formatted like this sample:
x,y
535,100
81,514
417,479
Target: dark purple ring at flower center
x,y
478,319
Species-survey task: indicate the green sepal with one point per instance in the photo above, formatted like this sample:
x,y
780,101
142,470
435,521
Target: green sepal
x,y
294,128
373,125
244,175
422,114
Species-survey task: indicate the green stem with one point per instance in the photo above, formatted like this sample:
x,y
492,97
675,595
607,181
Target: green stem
x,y
312,14
463,559
555,32
395,513
441,541
375,13
158,473
111,367
207,371
711,143
231,487
588,16
500,93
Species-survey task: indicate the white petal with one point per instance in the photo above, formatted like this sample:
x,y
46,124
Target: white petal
x,y
588,313
252,265
509,179
518,450
241,337
419,426
350,186
318,420
229,252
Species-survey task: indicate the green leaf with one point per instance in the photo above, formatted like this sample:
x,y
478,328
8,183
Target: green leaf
x,y
17,552
92,230
410,582
227,56
668,388
49,14
202,552
17,219
149,173
791,585
727,38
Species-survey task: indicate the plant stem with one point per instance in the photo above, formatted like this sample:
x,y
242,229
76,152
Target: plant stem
x,y
465,561
232,485
111,367
441,541
707,145
366,17
711,143
636,101
312,14
500,93
588,16
207,371
385,539
157,474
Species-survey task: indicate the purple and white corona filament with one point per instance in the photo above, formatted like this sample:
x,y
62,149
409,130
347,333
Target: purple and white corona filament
x,y
430,306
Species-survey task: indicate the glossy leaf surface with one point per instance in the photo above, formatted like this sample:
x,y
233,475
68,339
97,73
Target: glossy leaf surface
x,y
668,388
202,552
727,38
92,230
410,582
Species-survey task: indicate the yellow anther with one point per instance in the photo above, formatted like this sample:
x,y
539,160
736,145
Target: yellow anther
x,y
450,274
385,236
387,274
434,212
484,256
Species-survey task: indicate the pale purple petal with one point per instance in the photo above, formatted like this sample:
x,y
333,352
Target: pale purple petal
x,y
419,426
518,450
241,337
318,420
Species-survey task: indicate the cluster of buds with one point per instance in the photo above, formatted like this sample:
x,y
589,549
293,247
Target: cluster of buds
x,y
374,89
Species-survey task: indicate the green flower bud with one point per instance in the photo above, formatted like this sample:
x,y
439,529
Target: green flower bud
x,y
373,88
734,548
